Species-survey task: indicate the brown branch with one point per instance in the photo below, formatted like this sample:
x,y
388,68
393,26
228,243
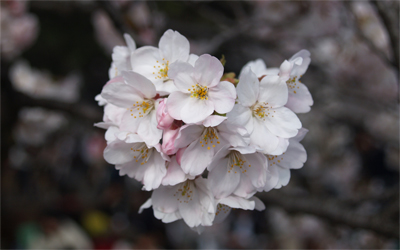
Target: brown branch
x,y
389,13
331,210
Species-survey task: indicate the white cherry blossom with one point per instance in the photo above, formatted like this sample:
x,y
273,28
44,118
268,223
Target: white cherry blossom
x,y
137,95
261,111
200,91
121,57
154,63
133,157
205,140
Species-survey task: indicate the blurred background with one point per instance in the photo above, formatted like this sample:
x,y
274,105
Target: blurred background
x,y
57,192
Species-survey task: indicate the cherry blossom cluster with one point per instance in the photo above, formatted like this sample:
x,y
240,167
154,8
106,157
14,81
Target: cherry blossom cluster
x,y
203,141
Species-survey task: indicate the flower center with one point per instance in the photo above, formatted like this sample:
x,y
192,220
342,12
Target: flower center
x,y
208,137
161,70
262,110
236,163
185,192
141,152
141,109
274,159
199,92
291,83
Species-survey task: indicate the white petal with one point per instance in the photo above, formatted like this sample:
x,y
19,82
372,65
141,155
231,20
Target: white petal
x,y
148,129
273,92
273,178
163,199
145,205
223,97
196,158
140,83
222,182
262,138
238,202
245,188
284,177
155,172
300,99
130,42
241,116
192,59
257,171
196,110
121,94
144,56
284,123
213,120
208,70
174,46
174,174
175,103
248,88
118,152
181,73
259,204
258,67
188,134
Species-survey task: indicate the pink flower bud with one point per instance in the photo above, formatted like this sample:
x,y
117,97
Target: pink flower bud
x,y
169,137
163,118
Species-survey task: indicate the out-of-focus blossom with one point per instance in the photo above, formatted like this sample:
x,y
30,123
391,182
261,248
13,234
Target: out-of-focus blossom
x,y
18,28
42,85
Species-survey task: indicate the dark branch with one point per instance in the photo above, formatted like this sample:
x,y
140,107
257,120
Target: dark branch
x,y
333,211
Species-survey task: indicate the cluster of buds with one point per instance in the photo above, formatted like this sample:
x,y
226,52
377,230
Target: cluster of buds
x,y
203,141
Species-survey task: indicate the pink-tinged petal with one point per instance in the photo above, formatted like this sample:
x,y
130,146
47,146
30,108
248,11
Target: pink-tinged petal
x,y
196,158
222,182
118,152
223,97
181,73
155,172
213,120
241,116
140,83
273,91
196,110
284,123
188,134
300,99
163,199
163,118
174,46
248,88
238,202
262,138
208,70
273,178
284,177
245,188
121,94
148,129
259,205
130,42
175,174
145,205
168,141
176,101
256,171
